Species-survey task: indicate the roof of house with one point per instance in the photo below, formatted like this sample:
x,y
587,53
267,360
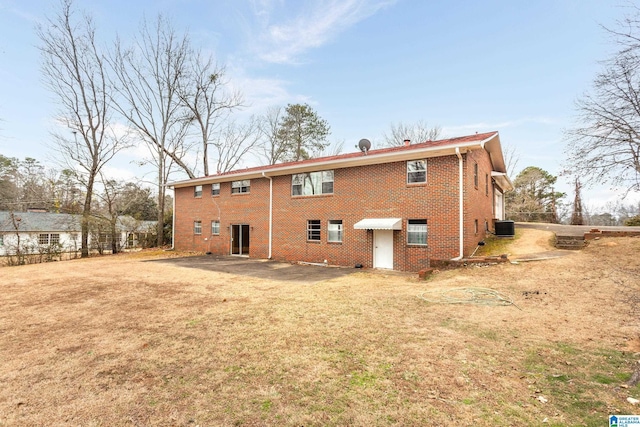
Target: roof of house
x,y
489,141
39,221
47,222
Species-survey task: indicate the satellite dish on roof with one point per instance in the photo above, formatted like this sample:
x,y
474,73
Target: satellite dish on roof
x,y
364,145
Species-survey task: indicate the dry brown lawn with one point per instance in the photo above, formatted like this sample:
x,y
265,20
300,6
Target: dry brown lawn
x,y
117,341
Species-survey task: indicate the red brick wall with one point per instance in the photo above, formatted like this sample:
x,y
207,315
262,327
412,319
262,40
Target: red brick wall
x,y
248,208
376,191
478,202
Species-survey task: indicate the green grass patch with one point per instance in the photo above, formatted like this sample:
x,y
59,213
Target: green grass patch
x,y
579,383
494,246
266,405
363,379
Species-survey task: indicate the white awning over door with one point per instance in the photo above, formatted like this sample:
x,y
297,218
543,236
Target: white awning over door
x,y
379,224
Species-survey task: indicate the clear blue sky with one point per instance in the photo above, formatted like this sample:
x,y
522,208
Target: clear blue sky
x,y
514,66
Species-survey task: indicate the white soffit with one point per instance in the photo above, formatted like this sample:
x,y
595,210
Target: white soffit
x,y
379,224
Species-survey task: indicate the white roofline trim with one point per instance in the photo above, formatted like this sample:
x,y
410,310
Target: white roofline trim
x,y
364,160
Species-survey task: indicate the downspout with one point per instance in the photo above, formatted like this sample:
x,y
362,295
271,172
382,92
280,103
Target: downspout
x,y
173,222
461,202
270,211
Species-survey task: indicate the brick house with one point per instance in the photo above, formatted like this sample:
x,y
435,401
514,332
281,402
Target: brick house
x,y
395,208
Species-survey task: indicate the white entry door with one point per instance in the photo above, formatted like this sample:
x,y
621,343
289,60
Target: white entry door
x,y
383,249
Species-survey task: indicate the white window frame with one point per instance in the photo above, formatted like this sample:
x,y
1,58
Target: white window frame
x,y
314,230
312,183
197,227
215,227
197,191
215,189
1,239
335,231
416,229
416,171
241,187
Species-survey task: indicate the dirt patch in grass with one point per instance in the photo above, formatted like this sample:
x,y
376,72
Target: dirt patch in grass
x,y
116,341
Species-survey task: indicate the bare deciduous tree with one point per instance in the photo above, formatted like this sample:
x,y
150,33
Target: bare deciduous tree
x,y
415,132
511,158
149,76
604,146
74,70
233,142
204,92
274,149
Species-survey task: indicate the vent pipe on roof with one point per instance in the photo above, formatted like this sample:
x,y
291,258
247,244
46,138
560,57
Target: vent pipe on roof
x,y
407,142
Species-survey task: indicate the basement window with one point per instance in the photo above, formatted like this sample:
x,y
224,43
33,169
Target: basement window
x,y
313,230
417,232
334,231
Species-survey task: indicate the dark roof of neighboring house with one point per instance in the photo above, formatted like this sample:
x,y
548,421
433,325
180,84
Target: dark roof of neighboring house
x,y
46,222
382,155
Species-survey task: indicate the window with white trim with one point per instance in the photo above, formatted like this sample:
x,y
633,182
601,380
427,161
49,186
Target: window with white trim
x,y
48,239
238,187
417,232
215,189
416,171
215,227
313,229
312,183
1,239
334,231
197,191
197,227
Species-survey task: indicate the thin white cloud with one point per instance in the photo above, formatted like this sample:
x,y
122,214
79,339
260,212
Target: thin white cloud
x,y
486,126
311,28
19,12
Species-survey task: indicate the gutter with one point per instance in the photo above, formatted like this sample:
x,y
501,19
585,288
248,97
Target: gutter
x,y
461,202
350,160
270,211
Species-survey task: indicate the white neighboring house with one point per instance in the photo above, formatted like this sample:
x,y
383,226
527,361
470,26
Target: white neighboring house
x,y
35,232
